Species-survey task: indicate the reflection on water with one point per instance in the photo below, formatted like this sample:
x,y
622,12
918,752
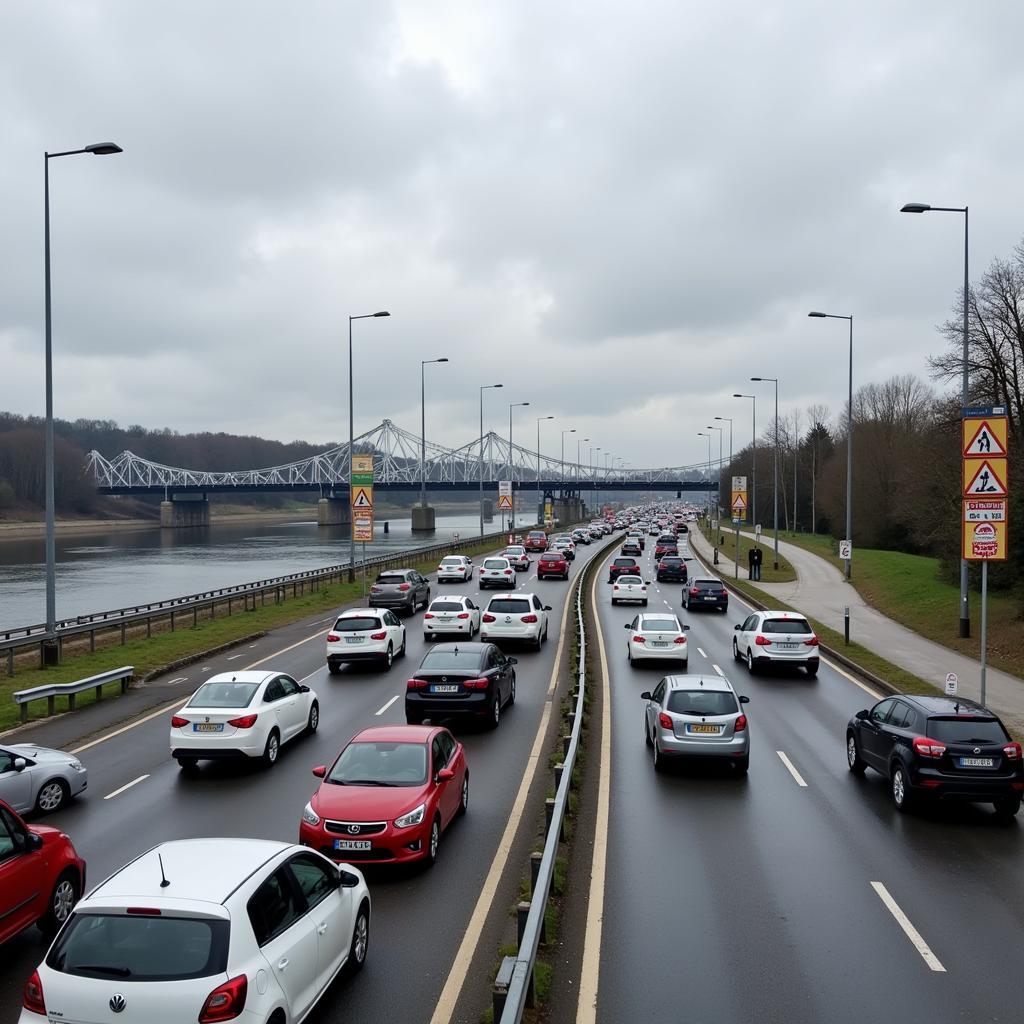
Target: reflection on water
x,y
111,569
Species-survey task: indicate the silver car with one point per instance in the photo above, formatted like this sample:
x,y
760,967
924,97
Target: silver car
x,y
696,716
39,779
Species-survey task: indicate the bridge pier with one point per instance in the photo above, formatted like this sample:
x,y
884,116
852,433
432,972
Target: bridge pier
x,y
333,512
488,506
184,513
423,518
568,510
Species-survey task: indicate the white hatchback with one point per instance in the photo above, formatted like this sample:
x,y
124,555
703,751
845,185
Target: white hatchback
x,y
773,638
455,568
365,634
657,636
242,715
629,588
207,930
497,572
451,614
516,617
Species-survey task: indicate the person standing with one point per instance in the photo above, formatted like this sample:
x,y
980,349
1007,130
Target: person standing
x,y
750,563
758,559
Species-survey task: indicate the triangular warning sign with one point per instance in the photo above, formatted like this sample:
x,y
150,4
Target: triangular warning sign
x,y
504,501
985,442
739,504
986,482
361,499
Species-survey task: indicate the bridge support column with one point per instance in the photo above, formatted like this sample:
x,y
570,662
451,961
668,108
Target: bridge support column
x,y
568,510
333,512
488,506
423,517
183,513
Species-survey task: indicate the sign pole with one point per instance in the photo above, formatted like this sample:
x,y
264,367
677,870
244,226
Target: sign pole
x,y
736,563
984,624
364,568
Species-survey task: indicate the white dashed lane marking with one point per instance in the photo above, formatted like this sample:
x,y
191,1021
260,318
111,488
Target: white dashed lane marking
x,y
909,930
701,653
718,670
797,777
118,792
389,703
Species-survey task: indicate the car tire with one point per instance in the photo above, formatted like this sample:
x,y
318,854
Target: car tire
x,y
433,843
464,797
812,669
313,722
63,897
643,603
512,692
188,765
854,762
427,637
735,650
411,718
742,764
629,653
272,750
614,602
751,664
334,668
389,657
1007,807
647,734
899,788
360,942
494,719
52,796
659,761
405,643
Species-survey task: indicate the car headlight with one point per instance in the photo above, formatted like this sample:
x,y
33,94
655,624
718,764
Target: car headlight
x,y
76,765
309,816
414,817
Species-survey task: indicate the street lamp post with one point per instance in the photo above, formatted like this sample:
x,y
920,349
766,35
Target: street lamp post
x,y
849,436
511,472
579,493
593,479
728,419
707,500
423,426
540,496
721,431
351,440
50,650
775,487
483,388
965,397
561,468
753,482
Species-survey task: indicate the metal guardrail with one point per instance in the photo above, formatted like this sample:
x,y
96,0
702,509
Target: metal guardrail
x,y
51,691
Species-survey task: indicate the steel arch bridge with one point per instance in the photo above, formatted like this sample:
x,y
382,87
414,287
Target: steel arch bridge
x,y
396,455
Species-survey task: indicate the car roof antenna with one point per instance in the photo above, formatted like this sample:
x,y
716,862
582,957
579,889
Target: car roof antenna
x,y
163,878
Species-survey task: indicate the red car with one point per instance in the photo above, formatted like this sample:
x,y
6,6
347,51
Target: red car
x,y
666,547
552,563
536,540
388,797
621,565
41,875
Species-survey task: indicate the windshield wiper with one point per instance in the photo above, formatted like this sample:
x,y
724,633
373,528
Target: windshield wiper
x,y
118,972
365,782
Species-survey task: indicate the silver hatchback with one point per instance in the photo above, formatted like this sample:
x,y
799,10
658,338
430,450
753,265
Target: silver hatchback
x,y
39,779
696,716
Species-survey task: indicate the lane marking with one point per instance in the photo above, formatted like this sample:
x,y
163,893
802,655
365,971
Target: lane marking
x,y
231,657
701,653
162,710
178,679
718,670
128,785
389,703
205,668
797,777
911,932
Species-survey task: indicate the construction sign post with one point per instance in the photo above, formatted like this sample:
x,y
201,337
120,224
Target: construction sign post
x,y
361,490
738,505
505,495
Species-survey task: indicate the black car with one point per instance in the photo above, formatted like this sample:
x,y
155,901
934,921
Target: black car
x,y
672,568
404,589
938,748
620,565
705,592
461,679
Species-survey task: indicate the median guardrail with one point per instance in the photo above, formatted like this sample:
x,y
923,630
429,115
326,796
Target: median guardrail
x,y
52,691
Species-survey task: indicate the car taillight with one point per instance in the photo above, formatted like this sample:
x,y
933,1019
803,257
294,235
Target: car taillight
x,y
375,589
226,1001
403,586
481,570
928,748
679,640
762,641
639,639
462,615
615,587
476,684
379,636
489,618
741,724
428,615
177,722
664,721
416,684
813,642
694,591
1012,751
441,568
508,572
333,638
32,997
245,722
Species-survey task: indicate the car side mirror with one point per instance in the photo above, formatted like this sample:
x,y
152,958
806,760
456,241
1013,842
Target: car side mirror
x,y
445,775
862,714
744,700
686,628
20,764
547,607
348,880
646,695
739,625
320,771
303,689
628,625
33,841
513,661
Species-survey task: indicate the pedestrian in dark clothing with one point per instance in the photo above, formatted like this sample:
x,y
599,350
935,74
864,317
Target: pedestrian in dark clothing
x,y
758,559
750,564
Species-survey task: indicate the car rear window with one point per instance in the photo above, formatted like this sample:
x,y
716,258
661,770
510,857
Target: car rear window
x,y
515,550
451,560
967,730
391,577
624,561
537,534
467,661
627,578
790,625
122,948
223,695
702,702
495,563
356,624
671,560
659,626
510,605
380,764
446,606
551,556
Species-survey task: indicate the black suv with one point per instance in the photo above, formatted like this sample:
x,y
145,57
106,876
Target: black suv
x,y
461,679
671,567
938,747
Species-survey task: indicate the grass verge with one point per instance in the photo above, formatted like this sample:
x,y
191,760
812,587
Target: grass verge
x,y
769,574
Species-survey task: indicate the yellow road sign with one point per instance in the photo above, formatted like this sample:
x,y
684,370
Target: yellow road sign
x,y
984,437
984,541
362,526
362,498
504,502
985,478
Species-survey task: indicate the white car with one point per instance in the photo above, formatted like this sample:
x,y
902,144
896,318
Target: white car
x,y
657,636
365,634
455,568
515,617
240,715
768,637
517,555
207,930
496,572
451,613
629,588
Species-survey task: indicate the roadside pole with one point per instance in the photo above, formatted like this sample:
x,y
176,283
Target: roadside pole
x,y
364,568
984,625
738,504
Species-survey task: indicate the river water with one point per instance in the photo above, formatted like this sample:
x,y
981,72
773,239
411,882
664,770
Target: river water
x,y
111,569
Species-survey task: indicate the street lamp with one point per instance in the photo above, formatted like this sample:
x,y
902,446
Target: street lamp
x,y
423,426
965,620
570,430
849,437
775,487
728,419
753,482
483,388
96,149
707,499
511,472
593,479
540,498
721,431
578,491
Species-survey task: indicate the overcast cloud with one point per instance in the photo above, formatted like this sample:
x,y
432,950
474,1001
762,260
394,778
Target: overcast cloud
x,y
620,210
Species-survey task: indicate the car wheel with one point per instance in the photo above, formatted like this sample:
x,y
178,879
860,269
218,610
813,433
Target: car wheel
x,y
272,749
735,650
1007,807
464,798
647,733
360,941
644,602
405,642
614,602
189,765
427,637
742,765
512,692
899,787
812,669
539,642
495,717
629,653
751,664
853,758
433,843
334,668
52,796
659,761
411,718
62,901
313,723
389,657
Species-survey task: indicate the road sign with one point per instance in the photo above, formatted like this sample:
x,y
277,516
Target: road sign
x,y
985,478
981,510
362,498
362,526
362,470
951,681
505,495
757,530
846,550
984,542
984,438
738,504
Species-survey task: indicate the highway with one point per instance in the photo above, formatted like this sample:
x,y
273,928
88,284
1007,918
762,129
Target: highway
x,y
137,797
784,896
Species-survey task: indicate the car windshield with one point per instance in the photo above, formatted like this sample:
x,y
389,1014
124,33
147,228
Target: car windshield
x,y
967,730
791,625
467,661
629,579
223,695
446,606
515,551
625,561
391,577
506,606
129,947
495,563
356,624
708,584
380,764
659,626
671,560
701,702
451,561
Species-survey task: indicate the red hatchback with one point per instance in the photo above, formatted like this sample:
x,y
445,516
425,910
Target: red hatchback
x,y
388,797
41,875
552,563
536,540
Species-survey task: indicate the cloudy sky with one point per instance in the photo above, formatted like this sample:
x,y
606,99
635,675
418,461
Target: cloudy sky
x,y
619,210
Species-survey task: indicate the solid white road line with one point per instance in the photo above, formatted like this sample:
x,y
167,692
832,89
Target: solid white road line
x,y
178,679
389,703
797,777
718,670
701,653
911,932
232,657
118,792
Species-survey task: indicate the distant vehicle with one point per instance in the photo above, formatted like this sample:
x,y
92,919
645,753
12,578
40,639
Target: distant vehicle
x,y
581,536
496,572
774,638
628,587
671,568
552,563
455,569
536,540
461,680
207,930
622,564
389,795
636,535
515,616
41,875
451,613
665,546
566,546
696,716
403,589
938,748
365,634
657,636
242,716
517,555
705,592
38,779
632,547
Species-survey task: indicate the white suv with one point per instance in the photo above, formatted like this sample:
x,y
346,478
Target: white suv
x,y
208,930
451,614
497,572
767,638
365,634
516,617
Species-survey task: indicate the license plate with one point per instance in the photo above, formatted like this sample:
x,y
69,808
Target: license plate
x,y
787,647
207,727
710,598
353,844
444,618
975,762
353,639
704,730
660,643
444,688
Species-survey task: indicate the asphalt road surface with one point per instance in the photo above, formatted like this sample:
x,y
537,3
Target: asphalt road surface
x,y
759,899
419,916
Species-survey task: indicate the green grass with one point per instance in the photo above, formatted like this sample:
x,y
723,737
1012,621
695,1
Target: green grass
x,y
769,574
